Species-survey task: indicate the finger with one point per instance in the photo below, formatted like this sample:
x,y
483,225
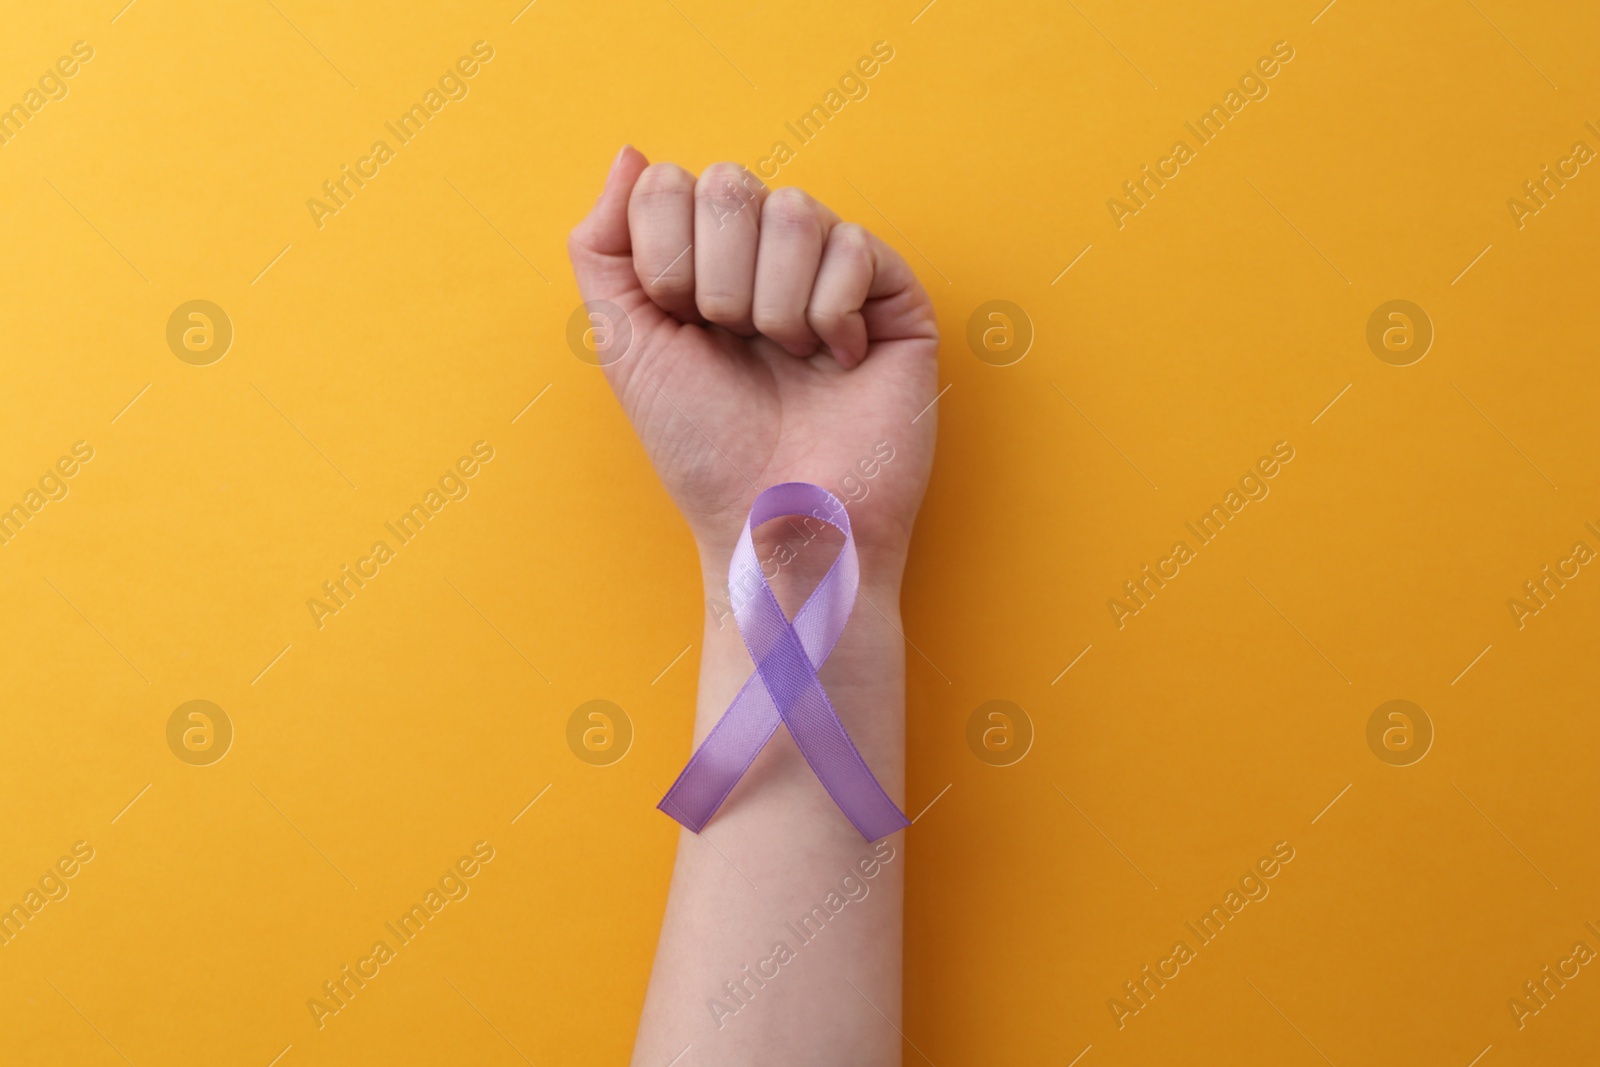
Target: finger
x,y
599,246
843,281
661,220
726,226
793,229
865,293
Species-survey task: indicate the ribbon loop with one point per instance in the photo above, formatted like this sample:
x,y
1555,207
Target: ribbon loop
x,y
784,686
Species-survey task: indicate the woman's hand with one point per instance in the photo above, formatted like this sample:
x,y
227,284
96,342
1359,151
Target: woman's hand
x,y
754,339
763,341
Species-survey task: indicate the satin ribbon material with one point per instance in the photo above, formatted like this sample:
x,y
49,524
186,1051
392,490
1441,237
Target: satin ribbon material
x,y
784,686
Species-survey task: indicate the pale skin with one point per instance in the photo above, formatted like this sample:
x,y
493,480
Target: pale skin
x,y
771,342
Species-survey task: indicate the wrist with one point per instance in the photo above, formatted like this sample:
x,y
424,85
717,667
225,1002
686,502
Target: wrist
x,y
864,671
794,561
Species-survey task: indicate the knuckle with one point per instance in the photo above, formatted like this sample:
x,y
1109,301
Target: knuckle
x,y
851,238
661,284
827,320
663,180
777,322
789,208
661,275
722,307
726,185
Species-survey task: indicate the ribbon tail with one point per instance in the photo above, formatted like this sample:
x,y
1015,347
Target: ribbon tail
x,y
827,747
723,757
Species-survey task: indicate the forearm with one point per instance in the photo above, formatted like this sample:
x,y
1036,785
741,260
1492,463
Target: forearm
x,y
779,907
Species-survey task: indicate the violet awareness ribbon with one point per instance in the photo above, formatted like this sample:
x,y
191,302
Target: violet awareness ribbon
x,y
784,686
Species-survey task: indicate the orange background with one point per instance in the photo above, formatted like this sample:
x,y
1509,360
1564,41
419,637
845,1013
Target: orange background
x,y
1228,715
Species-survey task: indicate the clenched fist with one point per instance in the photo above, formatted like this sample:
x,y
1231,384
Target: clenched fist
x,y
765,341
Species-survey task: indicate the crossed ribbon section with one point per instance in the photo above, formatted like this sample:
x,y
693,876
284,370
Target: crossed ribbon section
x,y
784,686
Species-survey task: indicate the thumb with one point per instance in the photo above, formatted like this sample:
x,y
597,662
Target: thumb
x,y
600,247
